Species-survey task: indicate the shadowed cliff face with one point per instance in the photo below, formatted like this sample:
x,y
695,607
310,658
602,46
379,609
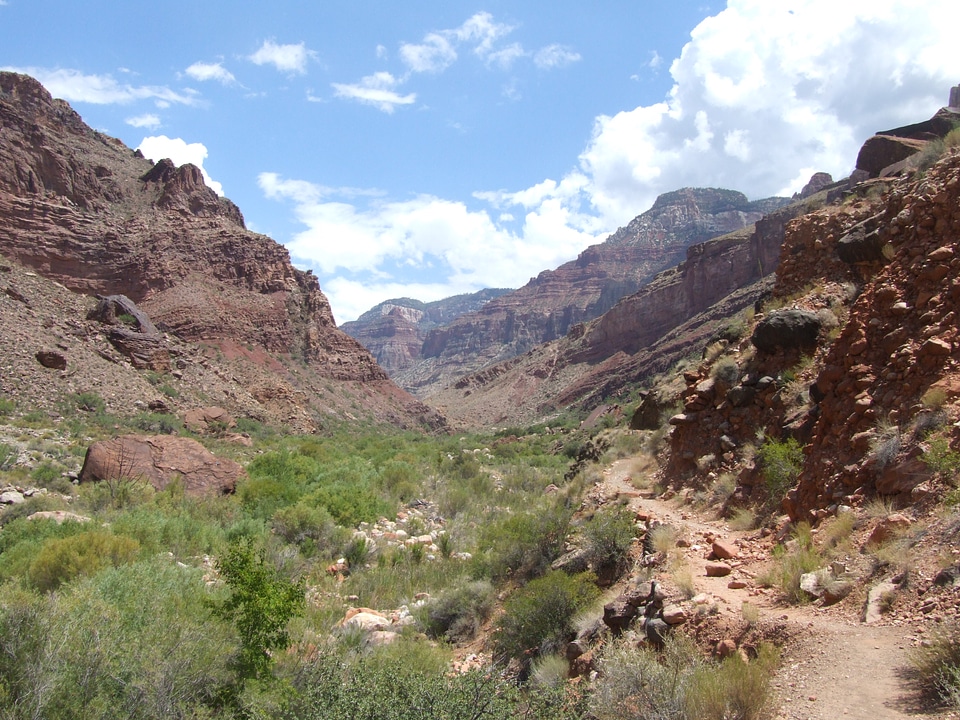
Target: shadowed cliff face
x,y
550,304
86,211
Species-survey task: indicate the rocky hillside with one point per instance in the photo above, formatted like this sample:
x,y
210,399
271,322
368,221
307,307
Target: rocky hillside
x,y
550,304
855,357
85,211
394,330
646,332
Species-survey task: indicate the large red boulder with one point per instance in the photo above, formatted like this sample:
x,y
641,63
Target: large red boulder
x,y
157,459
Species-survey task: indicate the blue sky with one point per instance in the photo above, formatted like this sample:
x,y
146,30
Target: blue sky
x,y
433,148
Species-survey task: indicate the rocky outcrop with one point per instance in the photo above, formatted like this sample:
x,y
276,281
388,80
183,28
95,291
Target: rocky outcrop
x,y
672,316
158,460
132,333
83,210
880,153
394,331
555,301
900,341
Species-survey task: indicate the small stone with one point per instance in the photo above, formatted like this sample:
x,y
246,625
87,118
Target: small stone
x,y
736,584
717,569
674,615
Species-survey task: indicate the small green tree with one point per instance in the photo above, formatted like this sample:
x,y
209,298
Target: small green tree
x,y
260,605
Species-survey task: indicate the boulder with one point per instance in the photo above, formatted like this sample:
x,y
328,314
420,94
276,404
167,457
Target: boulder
x,y
881,151
888,527
656,631
725,550
817,182
863,243
786,329
618,615
200,420
674,615
902,476
157,459
51,359
11,497
58,516
647,415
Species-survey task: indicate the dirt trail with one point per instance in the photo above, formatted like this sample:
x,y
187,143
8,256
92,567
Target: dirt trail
x,y
836,667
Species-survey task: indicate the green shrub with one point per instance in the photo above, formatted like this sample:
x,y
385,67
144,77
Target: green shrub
x,y
637,683
538,618
8,456
137,641
609,535
522,545
311,527
732,688
459,612
940,458
937,663
725,371
158,423
382,686
7,407
790,564
260,605
60,560
780,463
88,402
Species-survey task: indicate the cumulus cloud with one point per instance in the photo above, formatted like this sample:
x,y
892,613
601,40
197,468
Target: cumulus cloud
x,y
762,96
147,120
354,241
762,91
434,54
76,86
555,56
285,58
158,147
377,90
203,72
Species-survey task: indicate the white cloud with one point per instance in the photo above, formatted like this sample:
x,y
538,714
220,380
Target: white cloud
x,y
483,32
761,92
434,54
148,120
377,90
158,147
286,58
507,56
75,86
555,56
202,72
364,242
762,97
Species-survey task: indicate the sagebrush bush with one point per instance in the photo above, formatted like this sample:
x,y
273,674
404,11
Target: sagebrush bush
x,y
780,463
137,641
60,560
459,612
538,618
608,536
522,545
637,683
790,564
937,663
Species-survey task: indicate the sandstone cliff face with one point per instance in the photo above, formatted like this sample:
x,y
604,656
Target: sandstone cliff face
x,y
84,210
394,331
549,305
642,334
